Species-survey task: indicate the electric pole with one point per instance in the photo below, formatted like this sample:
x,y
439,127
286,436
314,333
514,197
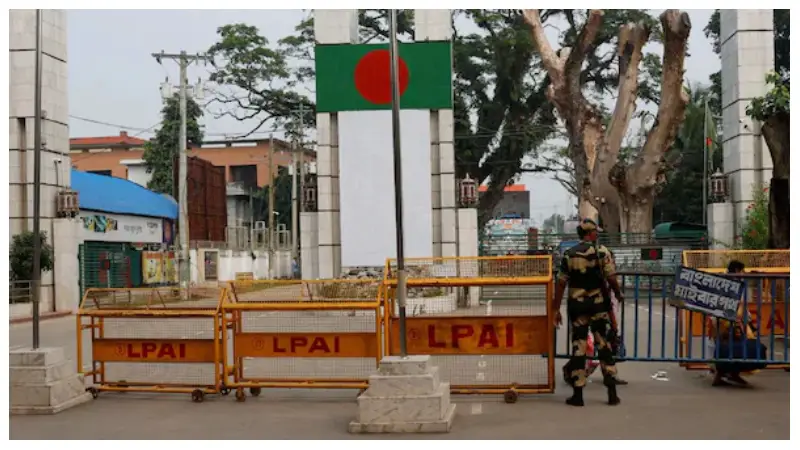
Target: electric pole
x,y
271,217
298,165
294,201
184,60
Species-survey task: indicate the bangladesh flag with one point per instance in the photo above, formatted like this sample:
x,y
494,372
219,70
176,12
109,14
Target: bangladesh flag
x,y
356,77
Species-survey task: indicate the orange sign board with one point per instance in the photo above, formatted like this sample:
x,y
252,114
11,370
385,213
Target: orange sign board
x,y
308,345
511,335
777,321
153,350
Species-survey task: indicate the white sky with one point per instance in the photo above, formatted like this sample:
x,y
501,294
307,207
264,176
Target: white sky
x,y
113,78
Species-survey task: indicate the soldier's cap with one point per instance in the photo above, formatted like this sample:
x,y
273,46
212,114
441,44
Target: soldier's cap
x,y
588,225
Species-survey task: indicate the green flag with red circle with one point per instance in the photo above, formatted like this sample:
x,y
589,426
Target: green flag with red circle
x,y
356,77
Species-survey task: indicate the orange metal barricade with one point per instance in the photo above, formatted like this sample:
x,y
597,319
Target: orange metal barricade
x,y
302,334
149,340
484,320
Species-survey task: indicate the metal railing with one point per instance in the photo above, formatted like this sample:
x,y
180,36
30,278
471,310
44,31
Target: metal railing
x,y
20,291
653,330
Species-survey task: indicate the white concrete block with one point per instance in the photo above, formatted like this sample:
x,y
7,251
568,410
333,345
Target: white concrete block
x,y
721,223
36,375
433,25
437,426
742,184
326,221
47,394
325,186
448,225
447,183
323,131
446,125
383,385
449,249
447,158
405,365
336,26
468,219
41,357
435,166
404,407
42,382
436,195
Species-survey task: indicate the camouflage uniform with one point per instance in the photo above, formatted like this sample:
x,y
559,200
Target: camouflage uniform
x,y
584,267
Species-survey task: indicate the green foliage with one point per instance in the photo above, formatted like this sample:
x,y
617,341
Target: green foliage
x,y
283,199
681,197
554,224
20,256
256,82
775,102
501,113
160,151
755,232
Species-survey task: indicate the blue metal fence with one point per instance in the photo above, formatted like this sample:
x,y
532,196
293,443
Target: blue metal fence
x,y
653,330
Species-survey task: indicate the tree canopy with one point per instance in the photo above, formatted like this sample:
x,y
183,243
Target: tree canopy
x,y
619,184
501,111
20,256
160,151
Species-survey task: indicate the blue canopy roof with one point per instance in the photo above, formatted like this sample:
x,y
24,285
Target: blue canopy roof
x,y
116,195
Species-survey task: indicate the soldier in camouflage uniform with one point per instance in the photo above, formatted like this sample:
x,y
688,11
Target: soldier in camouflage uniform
x,y
584,267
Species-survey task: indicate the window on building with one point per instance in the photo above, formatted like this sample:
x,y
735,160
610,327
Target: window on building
x,y
101,172
247,175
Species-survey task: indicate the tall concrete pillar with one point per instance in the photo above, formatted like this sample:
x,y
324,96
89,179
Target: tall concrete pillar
x,y
331,26
55,159
747,50
436,25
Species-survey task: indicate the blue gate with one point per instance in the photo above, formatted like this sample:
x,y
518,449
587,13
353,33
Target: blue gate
x,y
653,330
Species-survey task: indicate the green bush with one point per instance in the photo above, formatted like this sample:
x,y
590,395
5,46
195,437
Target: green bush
x,y
20,256
755,231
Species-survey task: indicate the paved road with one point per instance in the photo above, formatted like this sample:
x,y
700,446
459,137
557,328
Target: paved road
x,y
684,407
686,402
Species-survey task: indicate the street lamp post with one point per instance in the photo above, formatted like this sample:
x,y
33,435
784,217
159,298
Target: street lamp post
x,y
398,179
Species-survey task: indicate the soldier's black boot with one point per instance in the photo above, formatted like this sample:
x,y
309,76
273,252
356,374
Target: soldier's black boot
x,y
577,397
611,385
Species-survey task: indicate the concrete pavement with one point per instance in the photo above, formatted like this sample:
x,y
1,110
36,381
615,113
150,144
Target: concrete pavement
x,y
685,406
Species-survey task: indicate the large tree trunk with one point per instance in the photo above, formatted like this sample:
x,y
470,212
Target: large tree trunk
x,y
620,194
637,182
776,134
637,215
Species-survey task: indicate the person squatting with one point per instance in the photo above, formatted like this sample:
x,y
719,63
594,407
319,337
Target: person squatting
x,y
586,268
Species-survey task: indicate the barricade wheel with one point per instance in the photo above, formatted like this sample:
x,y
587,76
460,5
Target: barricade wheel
x,y
224,391
122,384
255,391
198,396
92,390
240,397
511,396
